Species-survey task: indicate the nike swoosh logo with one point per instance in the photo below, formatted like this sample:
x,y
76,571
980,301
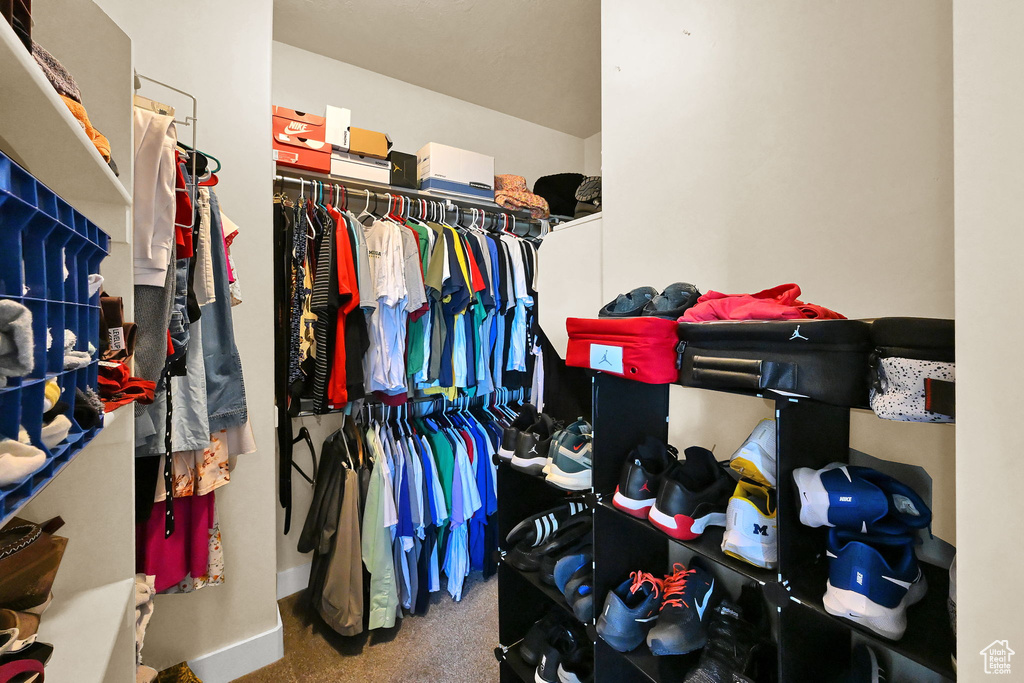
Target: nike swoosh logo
x,y
905,584
707,596
644,621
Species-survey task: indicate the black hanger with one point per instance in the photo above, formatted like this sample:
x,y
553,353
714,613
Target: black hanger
x,y
303,435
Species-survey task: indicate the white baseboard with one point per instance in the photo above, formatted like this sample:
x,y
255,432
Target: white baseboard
x,y
241,658
291,581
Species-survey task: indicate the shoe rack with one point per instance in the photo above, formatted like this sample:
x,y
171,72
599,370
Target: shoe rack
x,y
812,645
77,202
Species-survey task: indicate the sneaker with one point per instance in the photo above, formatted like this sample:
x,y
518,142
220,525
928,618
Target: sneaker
x,y
563,641
535,642
686,607
673,302
579,594
642,475
755,459
628,305
629,611
751,530
692,496
732,645
570,463
864,666
570,564
872,579
578,665
532,447
510,435
860,499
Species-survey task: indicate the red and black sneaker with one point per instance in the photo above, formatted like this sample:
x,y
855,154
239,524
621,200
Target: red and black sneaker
x,y
693,496
641,477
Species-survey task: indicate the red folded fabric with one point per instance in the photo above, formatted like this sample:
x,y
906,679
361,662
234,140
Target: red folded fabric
x,y
117,387
777,303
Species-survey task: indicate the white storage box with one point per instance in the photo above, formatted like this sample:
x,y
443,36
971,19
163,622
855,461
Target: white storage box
x,y
457,170
353,166
336,129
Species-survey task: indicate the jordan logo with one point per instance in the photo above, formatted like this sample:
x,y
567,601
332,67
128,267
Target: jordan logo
x,y
604,359
533,449
644,488
760,530
797,335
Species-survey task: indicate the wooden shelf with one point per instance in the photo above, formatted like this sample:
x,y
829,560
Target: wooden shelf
x,y
38,131
83,629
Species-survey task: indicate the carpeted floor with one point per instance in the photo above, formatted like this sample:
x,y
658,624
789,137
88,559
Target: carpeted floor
x,y
453,643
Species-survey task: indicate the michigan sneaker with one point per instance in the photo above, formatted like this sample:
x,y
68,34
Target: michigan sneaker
x,y
751,530
510,435
860,499
693,496
532,447
872,579
690,597
570,463
630,610
641,478
755,459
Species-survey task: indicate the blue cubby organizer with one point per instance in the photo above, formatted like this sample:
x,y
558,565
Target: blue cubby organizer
x,y
40,236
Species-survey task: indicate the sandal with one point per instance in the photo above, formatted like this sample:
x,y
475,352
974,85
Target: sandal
x,y
22,671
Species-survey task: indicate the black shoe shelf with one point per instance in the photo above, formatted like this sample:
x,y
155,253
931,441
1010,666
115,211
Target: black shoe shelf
x,y
811,644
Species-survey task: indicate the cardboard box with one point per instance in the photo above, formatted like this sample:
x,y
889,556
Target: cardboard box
x,y
456,170
346,165
299,140
403,170
369,143
337,133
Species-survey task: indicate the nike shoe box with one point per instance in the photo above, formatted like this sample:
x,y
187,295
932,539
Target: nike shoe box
x,y
913,369
449,170
355,167
826,360
641,349
299,140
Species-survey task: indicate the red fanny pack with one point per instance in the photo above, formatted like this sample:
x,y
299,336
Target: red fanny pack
x,y
642,349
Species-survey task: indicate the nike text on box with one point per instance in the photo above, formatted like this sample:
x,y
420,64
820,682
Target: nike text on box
x,y
605,357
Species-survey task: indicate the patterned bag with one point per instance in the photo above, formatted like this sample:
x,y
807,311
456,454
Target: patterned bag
x,y
913,370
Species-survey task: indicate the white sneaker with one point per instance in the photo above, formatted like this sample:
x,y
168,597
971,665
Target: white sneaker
x,y
751,527
755,459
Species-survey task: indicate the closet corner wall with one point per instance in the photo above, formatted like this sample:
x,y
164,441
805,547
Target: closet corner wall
x,y
92,619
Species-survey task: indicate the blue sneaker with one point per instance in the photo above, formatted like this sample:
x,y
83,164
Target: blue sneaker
x,y
630,610
570,564
872,580
860,499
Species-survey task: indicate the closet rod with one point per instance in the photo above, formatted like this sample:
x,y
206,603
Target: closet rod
x,y
514,395
382,190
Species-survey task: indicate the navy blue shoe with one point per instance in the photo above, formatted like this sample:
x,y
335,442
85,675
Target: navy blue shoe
x,y
629,611
690,597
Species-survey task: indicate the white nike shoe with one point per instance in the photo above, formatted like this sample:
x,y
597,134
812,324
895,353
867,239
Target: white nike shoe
x,y
755,459
751,527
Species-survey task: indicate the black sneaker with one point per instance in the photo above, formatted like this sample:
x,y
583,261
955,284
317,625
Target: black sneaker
x,y
535,642
864,666
731,646
693,496
673,302
630,610
563,642
578,665
532,447
641,477
629,305
689,597
510,436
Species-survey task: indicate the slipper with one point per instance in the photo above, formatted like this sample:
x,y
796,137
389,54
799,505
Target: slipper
x,y
26,625
673,302
41,652
22,671
19,461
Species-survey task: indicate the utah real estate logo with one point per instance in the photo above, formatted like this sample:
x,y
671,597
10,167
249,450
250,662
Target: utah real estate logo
x,y
997,657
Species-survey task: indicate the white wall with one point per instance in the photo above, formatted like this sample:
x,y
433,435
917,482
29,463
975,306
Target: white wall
x,y
592,154
795,141
989,173
220,52
414,116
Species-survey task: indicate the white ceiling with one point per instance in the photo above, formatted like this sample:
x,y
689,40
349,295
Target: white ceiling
x,y
538,60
